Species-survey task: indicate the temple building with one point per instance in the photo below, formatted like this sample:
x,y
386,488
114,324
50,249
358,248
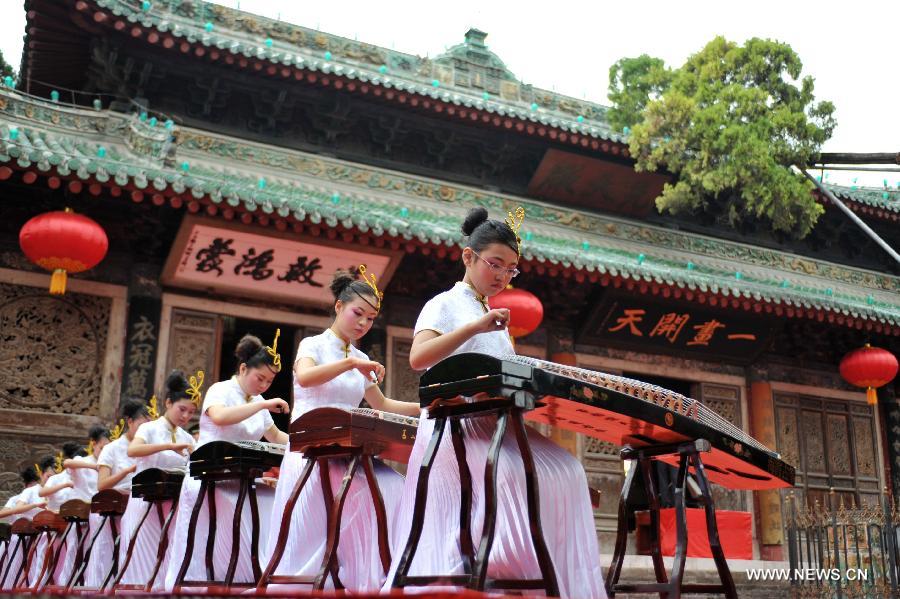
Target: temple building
x,y
236,161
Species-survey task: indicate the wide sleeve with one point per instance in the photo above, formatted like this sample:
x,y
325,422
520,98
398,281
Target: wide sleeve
x,y
144,432
309,349
107,458
434,317
217,395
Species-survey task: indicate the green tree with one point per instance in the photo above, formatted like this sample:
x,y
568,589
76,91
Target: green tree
x,y
729,126
5,68
633,82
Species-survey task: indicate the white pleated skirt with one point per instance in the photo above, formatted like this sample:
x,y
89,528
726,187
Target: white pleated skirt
x,y
360,568
566,515
226,494
143,557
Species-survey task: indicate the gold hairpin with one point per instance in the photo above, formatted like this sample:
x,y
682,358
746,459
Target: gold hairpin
x,y
153,410
117,430
59,462
273,351
371,282
196,382
90,447
37,469
514,222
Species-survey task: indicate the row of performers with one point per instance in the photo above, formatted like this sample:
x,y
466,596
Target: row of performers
x,y
330,371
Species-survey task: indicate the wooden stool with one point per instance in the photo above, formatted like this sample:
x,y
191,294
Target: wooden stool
x,y
246,479
155,487
688,455
25,535
50,526
475,565
110,504
334,507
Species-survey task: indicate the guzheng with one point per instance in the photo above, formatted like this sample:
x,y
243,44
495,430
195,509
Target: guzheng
x,y
154,484
75,509
109,501
223,457
611,408
382,434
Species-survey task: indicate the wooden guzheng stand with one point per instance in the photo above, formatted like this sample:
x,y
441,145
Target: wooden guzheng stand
x,y
155,487
359,436
51,526
75,513
6,539
26,537
648,422
219,461
110,504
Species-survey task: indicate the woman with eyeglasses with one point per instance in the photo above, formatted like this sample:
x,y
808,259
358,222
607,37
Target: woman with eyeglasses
x,y
460,320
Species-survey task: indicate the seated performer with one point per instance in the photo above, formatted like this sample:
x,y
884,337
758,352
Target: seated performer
x,y
58,490
161,443
330,372
460,320
115,471
24,505
82,470
233,410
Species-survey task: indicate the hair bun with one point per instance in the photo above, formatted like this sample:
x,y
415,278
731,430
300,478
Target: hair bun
x,y
247,347
176,382
343,278
475,217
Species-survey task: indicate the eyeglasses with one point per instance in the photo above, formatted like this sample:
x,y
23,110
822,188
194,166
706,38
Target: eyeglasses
x,y
512,273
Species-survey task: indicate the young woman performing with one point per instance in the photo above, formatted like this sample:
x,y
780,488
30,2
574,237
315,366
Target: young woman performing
x,y
331,372
161,443
460,320
233,410
115,471
24,505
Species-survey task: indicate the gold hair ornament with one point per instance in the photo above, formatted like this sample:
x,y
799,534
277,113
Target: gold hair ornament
x,y
59,462
153,409
196,383
514,222
37,469
372,283
273,351
117,430
90,447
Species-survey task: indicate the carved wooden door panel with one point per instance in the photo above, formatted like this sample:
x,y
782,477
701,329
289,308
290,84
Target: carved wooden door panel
x,y
194,344
832,445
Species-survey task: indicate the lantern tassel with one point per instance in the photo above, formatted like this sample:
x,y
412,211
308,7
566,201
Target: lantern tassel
x,y
58,282
871,396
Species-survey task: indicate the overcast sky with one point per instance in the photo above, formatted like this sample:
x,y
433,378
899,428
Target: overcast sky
x,y
850,48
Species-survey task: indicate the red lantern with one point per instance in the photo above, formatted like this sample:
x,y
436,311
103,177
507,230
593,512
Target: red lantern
x,y
525,310
869,367
63,241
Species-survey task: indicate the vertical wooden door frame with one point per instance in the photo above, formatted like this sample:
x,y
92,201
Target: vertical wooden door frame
x,y
172,301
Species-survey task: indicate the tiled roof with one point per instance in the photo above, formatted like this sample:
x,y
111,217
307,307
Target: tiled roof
x,y
235,175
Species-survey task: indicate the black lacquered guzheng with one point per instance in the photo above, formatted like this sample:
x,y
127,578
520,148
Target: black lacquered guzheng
x,y
612,408
224,457
154,484
382,434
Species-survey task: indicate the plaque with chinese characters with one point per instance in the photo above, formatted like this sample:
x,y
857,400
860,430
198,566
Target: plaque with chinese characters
x,y
676,328
236,260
